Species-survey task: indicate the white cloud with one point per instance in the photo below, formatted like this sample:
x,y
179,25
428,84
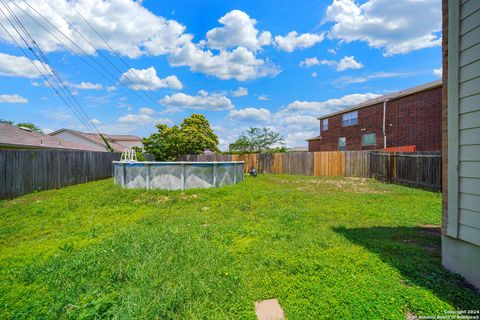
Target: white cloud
x,y
293,41
143,117
318,108
347,62
240,92
299,120
147,79
133,31
250,114
202,101
95,121
87,86
12,98
148,111
386,24
240,64
140,119
238,30
14,66
368,77
438,72
309,62
314,74
263,97
129,28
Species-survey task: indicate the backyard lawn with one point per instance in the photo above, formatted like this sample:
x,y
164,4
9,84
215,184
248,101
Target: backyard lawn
x,y
324,247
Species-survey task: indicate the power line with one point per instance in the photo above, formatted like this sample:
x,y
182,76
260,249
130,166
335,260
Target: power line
x,y
55,76
106,42
83,51
44,64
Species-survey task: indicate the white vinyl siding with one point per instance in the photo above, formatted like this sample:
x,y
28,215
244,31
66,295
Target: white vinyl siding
x,y
464,121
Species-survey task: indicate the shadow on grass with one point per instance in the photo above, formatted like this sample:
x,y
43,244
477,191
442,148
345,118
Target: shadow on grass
x,y
416,253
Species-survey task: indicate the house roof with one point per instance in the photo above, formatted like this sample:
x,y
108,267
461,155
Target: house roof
x,y
96,139
122,137
387,97
14,136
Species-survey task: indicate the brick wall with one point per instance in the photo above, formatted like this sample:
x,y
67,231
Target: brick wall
x,y
411,120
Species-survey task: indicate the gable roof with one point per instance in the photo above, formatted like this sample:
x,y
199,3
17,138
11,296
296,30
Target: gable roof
x,y
97,140
387,97
14,136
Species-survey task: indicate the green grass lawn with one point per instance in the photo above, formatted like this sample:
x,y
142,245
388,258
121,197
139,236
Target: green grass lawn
x,y
324,247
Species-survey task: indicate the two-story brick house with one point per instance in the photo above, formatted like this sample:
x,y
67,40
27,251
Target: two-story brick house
x,y
411,117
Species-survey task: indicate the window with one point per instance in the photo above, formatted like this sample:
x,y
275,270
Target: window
x,y
342,144
369,139
350,119
324,124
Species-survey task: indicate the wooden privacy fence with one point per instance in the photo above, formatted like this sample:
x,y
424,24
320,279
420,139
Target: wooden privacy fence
x,y
25,171
329,163
415,169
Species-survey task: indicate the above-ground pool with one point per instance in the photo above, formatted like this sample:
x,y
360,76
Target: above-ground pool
x,y
177,175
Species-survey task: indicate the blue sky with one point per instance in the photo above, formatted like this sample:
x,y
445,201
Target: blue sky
x,y
278,64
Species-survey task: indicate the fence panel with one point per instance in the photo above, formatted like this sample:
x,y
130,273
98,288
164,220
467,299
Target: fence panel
x,y
415,169
357,164
297,163
251,160
329,163
25,171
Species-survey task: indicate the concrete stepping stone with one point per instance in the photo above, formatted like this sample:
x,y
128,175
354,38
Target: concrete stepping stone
x,y
269,310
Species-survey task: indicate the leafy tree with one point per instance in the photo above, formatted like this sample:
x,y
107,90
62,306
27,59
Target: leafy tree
x,y
29,125
193,136
258,140
6,121
140,155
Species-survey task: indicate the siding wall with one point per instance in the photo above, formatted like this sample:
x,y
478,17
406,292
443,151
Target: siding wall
x,y
464,123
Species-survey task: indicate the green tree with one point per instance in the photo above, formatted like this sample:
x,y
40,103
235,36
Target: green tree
x,y
139,152
258,140
29,125
6,121
193,136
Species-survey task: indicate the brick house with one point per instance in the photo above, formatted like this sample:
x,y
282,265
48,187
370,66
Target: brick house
x,y
412,117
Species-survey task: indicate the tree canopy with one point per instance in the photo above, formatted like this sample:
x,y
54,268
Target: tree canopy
x,y
193,136
258,140
28,125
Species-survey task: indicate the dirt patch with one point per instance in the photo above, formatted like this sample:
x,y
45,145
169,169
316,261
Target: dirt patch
x,y
151,199
184,196
345,184
410,316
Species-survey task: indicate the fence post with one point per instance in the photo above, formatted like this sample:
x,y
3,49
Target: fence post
x,y
214,172
147,167
235,173
182,176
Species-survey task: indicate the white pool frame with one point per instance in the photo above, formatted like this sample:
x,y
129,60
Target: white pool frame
x,y
180,175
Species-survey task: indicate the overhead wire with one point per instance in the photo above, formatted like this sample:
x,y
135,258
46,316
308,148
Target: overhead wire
x,y
126,89
104,41
56,85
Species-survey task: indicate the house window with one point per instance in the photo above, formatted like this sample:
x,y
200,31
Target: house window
x,y
369,139
350,119
342,144
325,124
